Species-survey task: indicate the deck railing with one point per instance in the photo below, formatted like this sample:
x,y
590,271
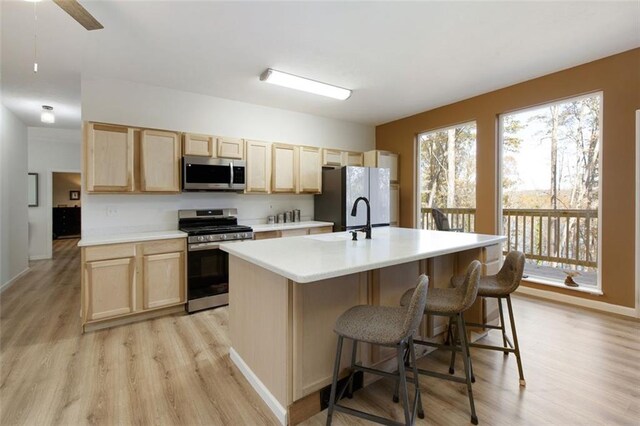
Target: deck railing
x,y
556,237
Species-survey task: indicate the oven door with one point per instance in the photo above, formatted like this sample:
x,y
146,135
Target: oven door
x,y
207,277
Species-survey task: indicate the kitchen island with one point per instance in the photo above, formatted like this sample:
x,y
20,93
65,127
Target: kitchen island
x,y
285,295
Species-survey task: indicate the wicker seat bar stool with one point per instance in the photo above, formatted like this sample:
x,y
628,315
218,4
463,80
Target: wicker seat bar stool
x,y
500,286
451,302
383,326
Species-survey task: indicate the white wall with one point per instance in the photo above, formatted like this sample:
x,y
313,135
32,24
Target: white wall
x,y
49,150
137,104
13,198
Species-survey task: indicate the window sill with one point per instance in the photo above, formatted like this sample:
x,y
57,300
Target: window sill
x,y
581,289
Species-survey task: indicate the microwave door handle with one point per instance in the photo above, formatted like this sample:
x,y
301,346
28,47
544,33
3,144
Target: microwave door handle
x,y
231,169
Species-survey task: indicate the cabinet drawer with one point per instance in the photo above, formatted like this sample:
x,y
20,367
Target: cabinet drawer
x,y
321,230
266,235
163,246
112,251
492,253
294,232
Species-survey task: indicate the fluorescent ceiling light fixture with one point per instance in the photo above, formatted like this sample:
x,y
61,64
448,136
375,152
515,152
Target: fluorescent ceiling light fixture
x,y
47,116
300,83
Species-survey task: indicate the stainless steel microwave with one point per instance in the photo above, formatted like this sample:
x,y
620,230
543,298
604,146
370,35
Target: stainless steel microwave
x,y
212,174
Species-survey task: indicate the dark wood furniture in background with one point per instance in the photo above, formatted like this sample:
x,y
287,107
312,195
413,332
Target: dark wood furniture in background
x,y
66,222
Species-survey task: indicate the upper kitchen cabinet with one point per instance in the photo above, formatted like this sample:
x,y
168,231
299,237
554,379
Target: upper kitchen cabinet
x,y
109,158
159,161
331,157
352,158
309,170
258,167
200,145
383,159
284,168
230,148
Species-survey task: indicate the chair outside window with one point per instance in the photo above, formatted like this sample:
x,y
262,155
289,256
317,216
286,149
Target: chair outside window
x,y
442,222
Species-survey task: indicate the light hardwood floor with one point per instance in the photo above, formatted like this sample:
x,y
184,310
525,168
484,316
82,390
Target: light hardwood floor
x,y
581,367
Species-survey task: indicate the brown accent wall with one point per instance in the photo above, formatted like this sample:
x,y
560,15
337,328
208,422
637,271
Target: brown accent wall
x,y
618,77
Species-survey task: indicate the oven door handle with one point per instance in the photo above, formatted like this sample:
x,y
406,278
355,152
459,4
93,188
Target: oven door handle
x,y
231,169
203,246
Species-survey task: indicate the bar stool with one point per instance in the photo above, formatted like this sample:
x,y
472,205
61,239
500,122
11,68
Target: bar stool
x,y
383,326
500,286
451,302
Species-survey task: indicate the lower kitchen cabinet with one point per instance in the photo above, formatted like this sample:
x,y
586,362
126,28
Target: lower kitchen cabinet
x,y
264,235
125,282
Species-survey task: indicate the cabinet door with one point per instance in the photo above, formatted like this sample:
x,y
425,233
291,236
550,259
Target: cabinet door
x,y
159,161
321,230
109,288
163,280
231,148
258,167
331,157
394,204
200,145
389,160
353,159
283,176
309,170
109,158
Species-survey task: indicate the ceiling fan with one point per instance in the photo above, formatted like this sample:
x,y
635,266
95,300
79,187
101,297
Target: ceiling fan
x,y
79,13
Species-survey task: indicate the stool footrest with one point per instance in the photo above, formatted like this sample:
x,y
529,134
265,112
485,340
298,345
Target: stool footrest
x,y
438,345
493,348
491,326
442,376
375,371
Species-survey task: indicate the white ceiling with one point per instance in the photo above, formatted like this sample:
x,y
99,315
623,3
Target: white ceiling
x,y
399,58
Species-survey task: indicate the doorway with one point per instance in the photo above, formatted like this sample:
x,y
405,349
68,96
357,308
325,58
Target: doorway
x,y
66,205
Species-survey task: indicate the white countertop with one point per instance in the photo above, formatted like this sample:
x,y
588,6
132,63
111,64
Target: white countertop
x,y
130,238
316,257
263,227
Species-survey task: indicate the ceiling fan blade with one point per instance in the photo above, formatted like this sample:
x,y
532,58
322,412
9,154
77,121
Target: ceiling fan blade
x,y
79,13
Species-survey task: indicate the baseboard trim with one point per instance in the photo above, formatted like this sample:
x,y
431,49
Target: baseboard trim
x,y
578,301
275,406
40,257
13,280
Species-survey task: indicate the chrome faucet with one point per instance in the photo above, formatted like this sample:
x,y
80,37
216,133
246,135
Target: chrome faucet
x,y
354,211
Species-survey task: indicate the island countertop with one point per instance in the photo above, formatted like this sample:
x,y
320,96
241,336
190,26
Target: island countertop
x,y
311,258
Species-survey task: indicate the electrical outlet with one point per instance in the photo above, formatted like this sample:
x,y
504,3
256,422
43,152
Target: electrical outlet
x,y
112,211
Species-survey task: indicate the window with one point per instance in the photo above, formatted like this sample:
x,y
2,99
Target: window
x,y
551,189
447,175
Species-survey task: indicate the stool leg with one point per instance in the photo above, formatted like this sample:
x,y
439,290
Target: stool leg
x,y
353,363
473,376
453,342
503,328
403,383
467,366
412,351
334,383
515,342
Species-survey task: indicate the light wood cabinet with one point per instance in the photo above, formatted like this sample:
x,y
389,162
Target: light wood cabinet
x,y
130,281
384,159
352,158
331,157
230,148
309,170
109,160
284,168
163,280
159,161
258,171
199,145
111,286
126,159
394,205
264,235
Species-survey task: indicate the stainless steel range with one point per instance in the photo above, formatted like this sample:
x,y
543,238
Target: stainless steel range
x,y
207,265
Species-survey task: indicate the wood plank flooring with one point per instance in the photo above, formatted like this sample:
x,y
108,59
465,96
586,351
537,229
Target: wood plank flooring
x,y
581,367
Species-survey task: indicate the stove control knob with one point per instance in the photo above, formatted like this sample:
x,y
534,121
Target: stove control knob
x,y
201,238
210,238
223,237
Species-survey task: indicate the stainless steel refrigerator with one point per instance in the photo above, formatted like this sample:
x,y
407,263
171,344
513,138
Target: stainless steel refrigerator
x,y
340,189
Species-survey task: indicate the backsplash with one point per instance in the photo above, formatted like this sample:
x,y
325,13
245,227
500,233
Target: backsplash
x,y
116,214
